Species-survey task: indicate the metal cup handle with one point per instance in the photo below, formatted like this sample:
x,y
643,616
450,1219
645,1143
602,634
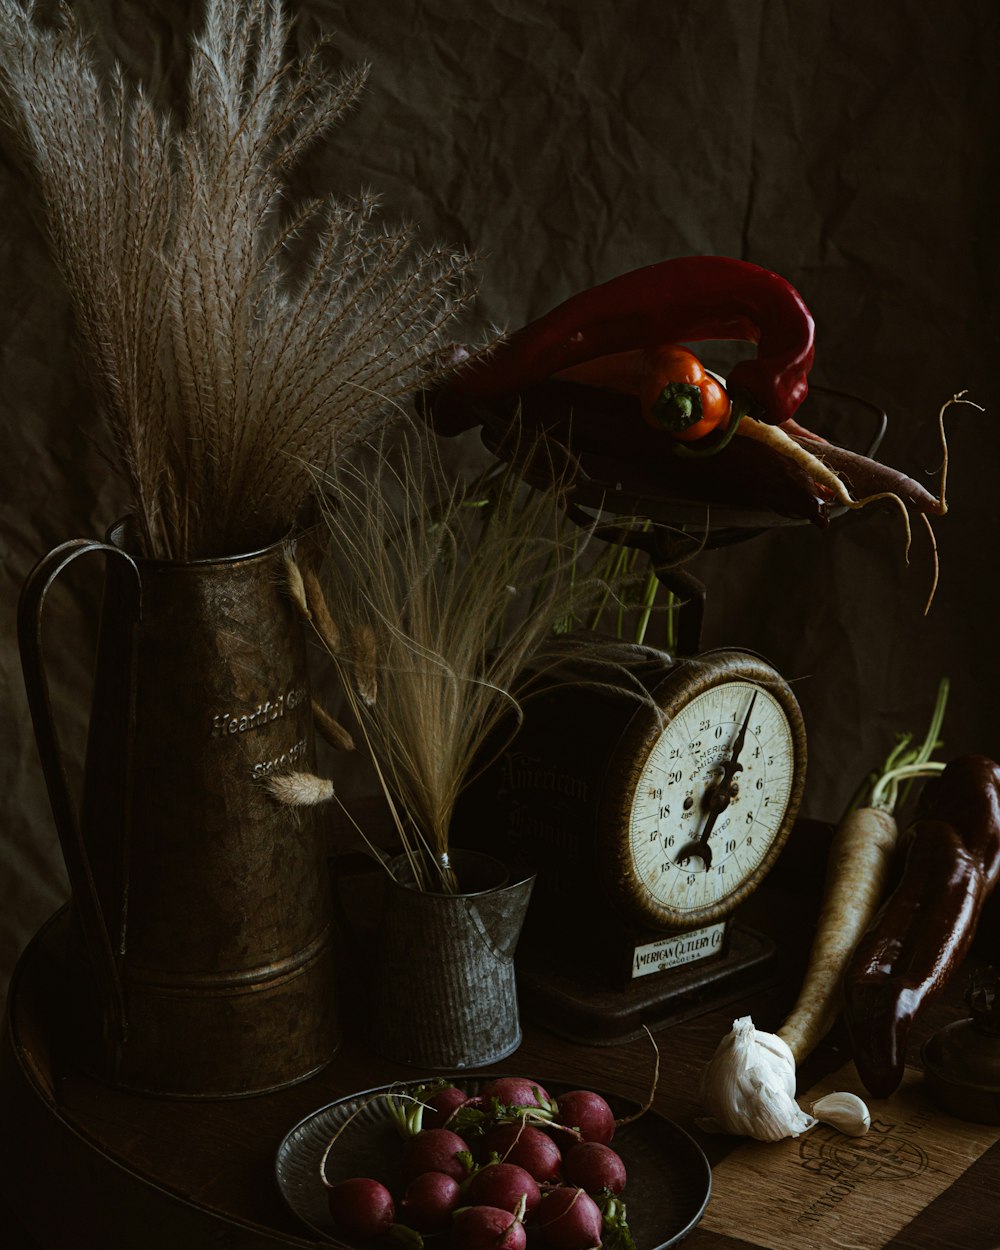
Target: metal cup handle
x,y
115,641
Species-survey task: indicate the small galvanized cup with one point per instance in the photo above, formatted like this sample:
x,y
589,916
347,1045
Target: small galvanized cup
x,y
445,995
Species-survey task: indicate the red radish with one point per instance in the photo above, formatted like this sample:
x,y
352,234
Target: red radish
x,y
515,1091
361,1208
584,1110
442,1106
504,1185
568,1219
487,1228
594,1167
429,1200
526,1146
435,1150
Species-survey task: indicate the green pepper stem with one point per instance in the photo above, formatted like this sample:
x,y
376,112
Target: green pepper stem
x,y
678,406
713,443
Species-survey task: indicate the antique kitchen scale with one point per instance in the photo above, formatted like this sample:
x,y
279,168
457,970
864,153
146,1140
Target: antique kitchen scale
x,y
648,820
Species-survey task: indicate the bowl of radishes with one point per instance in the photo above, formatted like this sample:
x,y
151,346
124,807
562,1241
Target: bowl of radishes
x,y
493,1162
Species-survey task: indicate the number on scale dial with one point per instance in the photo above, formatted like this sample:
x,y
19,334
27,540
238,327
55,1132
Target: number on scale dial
x,y
711,799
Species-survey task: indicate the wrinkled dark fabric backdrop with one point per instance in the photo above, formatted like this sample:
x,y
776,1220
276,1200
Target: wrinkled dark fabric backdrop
x,y
852,147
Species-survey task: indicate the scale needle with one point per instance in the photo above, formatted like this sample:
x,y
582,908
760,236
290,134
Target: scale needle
x,y
717,797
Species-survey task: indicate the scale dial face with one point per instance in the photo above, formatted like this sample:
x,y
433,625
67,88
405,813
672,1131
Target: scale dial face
x,y
706,793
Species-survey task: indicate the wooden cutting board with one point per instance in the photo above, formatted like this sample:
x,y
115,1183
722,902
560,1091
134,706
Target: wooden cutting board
x,y
824,1188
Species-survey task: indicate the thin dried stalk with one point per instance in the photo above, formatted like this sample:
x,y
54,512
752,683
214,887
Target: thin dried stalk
x,y
221,367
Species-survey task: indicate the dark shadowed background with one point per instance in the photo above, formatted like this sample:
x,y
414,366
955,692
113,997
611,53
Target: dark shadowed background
x,y
850,146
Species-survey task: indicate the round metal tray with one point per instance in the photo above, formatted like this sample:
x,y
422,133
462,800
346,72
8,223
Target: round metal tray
x,y
669,1178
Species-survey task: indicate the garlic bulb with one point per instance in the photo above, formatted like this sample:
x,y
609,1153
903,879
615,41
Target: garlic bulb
x,y
748,1087
845,1112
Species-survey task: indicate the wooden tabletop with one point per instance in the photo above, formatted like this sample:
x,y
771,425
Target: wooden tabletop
x,y
83,1164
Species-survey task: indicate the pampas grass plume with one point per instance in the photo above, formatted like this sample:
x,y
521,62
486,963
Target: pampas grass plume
x,y
330,729
364,657
319,611
229,358
299,789
296,586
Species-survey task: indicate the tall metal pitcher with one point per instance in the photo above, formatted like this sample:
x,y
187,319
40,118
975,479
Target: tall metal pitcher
x,y
198,949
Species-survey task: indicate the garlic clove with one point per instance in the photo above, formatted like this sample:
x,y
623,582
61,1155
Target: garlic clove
x,y
845,1112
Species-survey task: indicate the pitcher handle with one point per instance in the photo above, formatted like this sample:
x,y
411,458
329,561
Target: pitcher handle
x,y
93,922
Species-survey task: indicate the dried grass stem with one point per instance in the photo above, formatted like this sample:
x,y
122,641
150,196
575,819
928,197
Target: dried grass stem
x,y
447,593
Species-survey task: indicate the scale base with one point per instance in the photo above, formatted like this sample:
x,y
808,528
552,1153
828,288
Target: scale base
x,y
576,1009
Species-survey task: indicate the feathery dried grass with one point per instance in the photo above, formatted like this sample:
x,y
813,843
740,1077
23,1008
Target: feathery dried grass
x,y
457,588
299,789
220,371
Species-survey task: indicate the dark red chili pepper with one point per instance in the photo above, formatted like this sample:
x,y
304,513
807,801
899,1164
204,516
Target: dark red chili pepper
x,y
967,795
686,299
924,929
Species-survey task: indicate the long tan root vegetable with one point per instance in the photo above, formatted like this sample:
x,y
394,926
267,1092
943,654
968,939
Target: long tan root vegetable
x,y
748,1086
865,476
870,479
820,472
860,856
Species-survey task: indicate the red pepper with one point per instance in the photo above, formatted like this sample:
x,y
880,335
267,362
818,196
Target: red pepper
x,y
675,392
680,396
686,299
925,927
